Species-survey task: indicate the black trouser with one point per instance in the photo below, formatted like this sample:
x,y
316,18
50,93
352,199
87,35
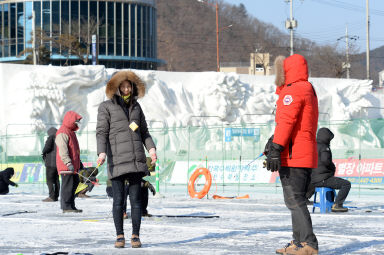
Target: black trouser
x,y
69,183
144,199
295,182
335,183
119,195
53,183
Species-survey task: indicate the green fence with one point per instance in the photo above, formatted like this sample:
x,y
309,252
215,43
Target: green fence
x,y
227,148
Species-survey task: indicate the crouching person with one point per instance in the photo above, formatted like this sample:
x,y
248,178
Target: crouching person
x,y
87,181
68,160
5,180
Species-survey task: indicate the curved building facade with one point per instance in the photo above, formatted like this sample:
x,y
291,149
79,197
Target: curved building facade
x,y
125,29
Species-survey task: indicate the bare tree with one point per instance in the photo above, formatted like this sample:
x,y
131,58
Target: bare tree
x,y
42,51
78,42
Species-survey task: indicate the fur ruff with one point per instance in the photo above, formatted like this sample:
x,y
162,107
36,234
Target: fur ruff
x,y
114,83
279,71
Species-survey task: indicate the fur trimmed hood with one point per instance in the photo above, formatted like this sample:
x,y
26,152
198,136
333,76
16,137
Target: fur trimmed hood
x,y
120,76
291,69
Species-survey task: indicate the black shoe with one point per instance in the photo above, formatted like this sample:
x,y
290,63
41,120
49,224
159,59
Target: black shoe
x,y
339,208
146,215
48,199
72,211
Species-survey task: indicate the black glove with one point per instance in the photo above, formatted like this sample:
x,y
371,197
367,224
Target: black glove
x,y
267,148
150,187
273,158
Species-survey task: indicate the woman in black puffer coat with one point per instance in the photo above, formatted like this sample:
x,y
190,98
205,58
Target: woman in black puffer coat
x,y
121,132
323,175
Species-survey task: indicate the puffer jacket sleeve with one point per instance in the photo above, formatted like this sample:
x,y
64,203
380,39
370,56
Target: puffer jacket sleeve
x,y
145,136
325,159
286,117
102,128
48,147
6,178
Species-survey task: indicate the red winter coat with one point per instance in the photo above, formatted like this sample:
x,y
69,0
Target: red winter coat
x,y
296,115
67,143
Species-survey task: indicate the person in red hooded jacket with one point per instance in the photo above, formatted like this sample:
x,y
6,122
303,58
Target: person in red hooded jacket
x,y
293,150
68,160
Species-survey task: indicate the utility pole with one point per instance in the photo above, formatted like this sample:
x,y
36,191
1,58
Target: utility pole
x,y
347,64
217,37
291,23
33,38
367,14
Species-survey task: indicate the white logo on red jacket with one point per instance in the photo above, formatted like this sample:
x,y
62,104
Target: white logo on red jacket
x,y
287,100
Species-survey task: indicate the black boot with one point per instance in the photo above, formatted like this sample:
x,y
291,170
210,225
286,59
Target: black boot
x,y
339,208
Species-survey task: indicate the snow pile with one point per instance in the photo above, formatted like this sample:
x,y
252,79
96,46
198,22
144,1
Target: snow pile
x,y
40,95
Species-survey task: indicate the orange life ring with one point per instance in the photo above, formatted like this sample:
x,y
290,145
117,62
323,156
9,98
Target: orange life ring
x,y
191,184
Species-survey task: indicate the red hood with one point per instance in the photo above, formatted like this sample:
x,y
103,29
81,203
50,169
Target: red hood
x,y
69,120
295,69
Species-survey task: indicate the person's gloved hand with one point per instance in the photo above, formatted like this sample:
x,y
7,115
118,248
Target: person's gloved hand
x,y
274,158
150,187
70,167
16,185
268,145
101,159
152,153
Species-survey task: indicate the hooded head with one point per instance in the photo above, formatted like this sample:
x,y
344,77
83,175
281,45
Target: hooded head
x,y
9,172
291,69
52,131
138,86
69,120
324,136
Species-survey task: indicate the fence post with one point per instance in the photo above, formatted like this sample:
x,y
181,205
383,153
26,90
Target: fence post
x,y
157,177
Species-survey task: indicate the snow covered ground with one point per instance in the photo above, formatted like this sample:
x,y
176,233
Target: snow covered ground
x,y
258,225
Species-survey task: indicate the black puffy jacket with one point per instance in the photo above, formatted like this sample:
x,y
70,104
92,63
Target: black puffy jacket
x,y
49,151
5,181
325,168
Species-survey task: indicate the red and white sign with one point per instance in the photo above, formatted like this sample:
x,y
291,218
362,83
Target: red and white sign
x,y
354,168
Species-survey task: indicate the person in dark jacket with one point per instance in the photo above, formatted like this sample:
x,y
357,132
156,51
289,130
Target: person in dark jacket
x,y
49,156
323,175
121,132
5,180
293,151
68,160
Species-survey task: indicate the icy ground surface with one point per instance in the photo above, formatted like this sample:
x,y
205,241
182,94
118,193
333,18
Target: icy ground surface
x,y
258,225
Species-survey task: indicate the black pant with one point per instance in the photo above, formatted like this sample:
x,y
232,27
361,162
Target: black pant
x,y
295,182
53,183
144,199
69,183
119,195
335,183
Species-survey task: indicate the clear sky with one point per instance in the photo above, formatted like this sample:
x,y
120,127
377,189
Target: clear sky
x,y
323,21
